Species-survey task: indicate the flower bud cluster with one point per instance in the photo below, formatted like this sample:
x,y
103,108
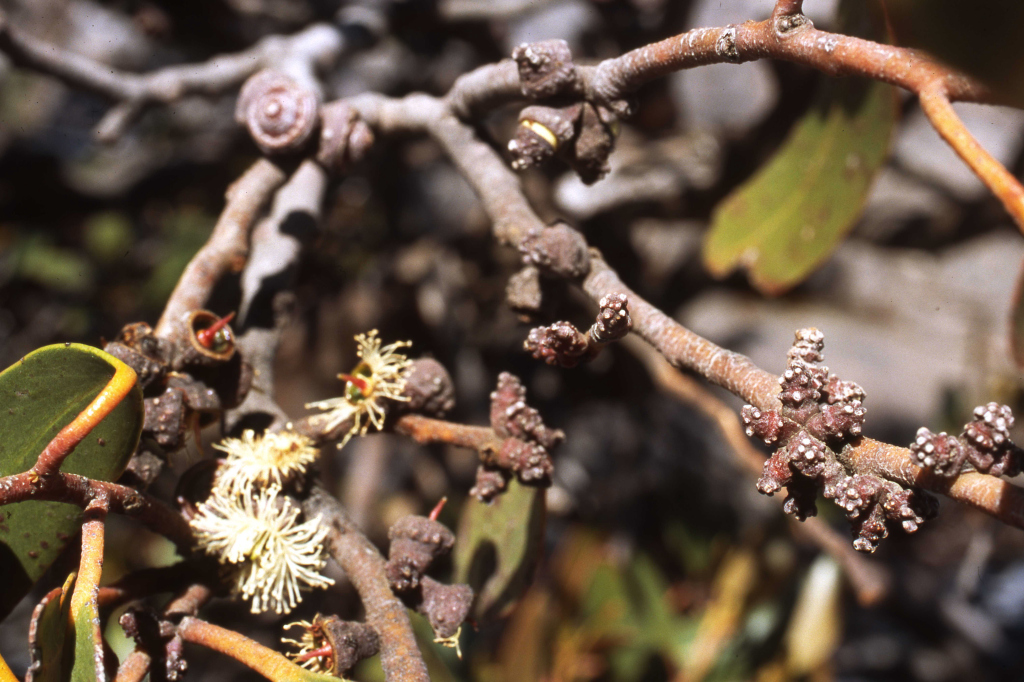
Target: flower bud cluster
x,y
525,450
984,444
820,414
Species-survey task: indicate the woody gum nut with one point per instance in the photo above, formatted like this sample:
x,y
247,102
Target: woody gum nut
x,y
593,145
529,461
415,542
429,388
512,417
542,131
558,250
523,292
489,483
344,137
350,643
445,606
545,68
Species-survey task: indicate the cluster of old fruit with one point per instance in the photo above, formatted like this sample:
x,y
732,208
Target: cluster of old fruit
x,y
185,381
580,131
416,542
820,414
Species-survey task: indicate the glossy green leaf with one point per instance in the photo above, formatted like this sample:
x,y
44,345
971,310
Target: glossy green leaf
x,y
498,546
789,217
39,395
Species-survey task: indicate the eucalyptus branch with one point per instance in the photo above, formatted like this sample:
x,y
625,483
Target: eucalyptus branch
x,y
314,47
82,491
226,250
365,567
516,224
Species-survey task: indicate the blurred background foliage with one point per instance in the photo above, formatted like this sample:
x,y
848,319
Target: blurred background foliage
x,y
659,561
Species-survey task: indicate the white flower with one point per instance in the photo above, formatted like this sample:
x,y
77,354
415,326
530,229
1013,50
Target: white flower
x,y
380,375
261,461
275,558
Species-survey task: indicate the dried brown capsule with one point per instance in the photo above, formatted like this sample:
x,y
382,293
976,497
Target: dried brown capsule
x,y
429,388
542,132
344,137
523,292
559,250
512,417
546,68
332,645
280,114
445,606
594,144
415,542
489,483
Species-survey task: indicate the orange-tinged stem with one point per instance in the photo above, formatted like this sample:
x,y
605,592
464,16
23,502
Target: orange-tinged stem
x,y
84,600
266,662
206,336
71,435
940,112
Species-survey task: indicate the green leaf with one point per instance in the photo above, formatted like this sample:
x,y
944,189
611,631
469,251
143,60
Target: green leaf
x,y
790,216
47,634
498,546
39,395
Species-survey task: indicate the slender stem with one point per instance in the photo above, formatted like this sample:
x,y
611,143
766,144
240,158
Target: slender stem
x,y
399,654
265,661
85,598
64,442
81,491
1003,184
428,430
225,250
134,667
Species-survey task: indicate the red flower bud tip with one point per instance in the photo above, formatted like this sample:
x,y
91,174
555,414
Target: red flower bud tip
x,y
362,384
325,650
436,511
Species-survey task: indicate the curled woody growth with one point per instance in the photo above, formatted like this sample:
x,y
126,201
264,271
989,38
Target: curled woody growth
x,y
820,415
